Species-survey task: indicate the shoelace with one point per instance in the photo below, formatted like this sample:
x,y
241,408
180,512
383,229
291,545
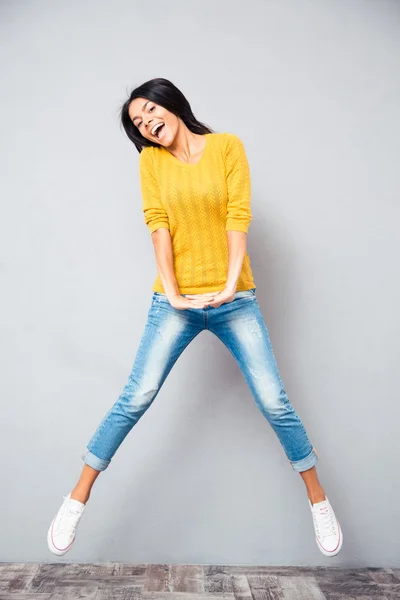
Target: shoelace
x,y
68,520
324,521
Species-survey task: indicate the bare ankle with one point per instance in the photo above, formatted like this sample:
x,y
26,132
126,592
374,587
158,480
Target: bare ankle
x,y
80,495
316,496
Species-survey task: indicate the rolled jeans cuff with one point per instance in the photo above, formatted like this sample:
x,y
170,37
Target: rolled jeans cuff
x,y
94,461
305,463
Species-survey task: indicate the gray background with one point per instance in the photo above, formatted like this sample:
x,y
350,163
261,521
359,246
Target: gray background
x,y
313,90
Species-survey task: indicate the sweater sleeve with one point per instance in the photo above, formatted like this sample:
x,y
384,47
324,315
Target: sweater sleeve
x,y
154,213
239,186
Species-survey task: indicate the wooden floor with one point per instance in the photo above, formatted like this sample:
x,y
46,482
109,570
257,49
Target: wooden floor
x,y
123,581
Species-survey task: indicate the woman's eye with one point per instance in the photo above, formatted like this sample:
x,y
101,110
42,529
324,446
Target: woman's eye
x,y
152,108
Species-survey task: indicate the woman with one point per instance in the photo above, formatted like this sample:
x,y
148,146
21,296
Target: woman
x,y
196,203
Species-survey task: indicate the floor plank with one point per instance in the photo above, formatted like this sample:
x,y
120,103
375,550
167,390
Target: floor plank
x,y
124,581
300,588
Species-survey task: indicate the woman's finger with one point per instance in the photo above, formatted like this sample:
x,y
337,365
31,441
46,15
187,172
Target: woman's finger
x,y
200,296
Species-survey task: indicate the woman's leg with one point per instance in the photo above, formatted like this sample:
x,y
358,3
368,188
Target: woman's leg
x,y
166,334
315,490
85,483
240,326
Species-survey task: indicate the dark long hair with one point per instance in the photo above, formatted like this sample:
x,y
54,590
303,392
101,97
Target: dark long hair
x,y
166,94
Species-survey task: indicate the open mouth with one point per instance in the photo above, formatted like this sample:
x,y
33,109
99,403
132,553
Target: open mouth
x,y
159,133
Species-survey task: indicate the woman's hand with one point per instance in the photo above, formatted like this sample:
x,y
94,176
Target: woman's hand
x,y
213,299
223,297
197,300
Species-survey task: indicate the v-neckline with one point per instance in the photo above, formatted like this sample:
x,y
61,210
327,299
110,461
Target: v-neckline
x,y
182,163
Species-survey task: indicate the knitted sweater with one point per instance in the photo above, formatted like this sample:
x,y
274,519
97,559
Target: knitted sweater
x,y
199,203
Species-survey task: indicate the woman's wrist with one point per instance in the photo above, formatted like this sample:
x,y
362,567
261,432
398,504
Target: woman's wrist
x,y
230,288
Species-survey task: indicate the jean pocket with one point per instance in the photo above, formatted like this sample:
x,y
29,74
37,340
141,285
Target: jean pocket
x,y
159,297
246,293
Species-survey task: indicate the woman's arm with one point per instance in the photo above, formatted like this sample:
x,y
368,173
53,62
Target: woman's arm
x,y
239,214
156,218
165,261
236,250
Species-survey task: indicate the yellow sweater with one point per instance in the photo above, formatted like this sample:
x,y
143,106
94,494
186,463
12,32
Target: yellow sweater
x,y
198,203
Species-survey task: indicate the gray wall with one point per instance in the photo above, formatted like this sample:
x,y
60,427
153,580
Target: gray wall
x,y
313,90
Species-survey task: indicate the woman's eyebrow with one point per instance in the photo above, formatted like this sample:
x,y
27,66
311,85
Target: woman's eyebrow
x,y
143,107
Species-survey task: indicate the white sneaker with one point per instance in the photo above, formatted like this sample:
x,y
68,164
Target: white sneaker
x,y
61,533
327,529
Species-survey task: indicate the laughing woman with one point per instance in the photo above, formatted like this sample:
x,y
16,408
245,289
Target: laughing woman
x,y
196,192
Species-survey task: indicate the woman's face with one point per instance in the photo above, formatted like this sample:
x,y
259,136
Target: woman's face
x,y
147,116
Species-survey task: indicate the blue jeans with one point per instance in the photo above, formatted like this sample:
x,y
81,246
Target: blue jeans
x,y
240,326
